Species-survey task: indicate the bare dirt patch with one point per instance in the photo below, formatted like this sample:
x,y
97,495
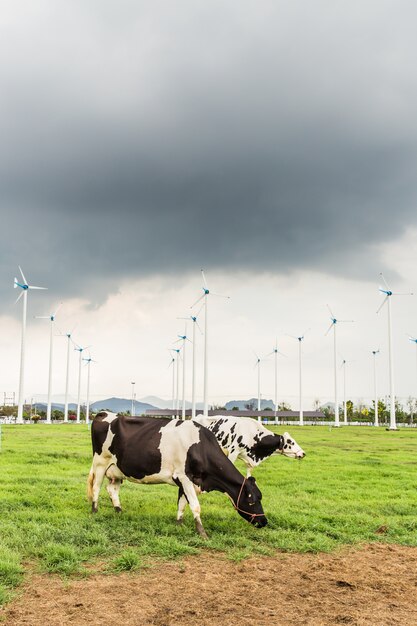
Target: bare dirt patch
x,y
374,585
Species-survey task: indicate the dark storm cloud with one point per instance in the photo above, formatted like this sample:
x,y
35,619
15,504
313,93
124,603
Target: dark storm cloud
x,y
142,138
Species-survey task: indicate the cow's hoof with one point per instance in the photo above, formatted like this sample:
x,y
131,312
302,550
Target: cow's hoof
x,y
201,531
179,521
118,509
94,508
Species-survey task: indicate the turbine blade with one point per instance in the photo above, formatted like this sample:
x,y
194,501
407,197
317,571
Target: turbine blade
x,y
42,317
23,276
57,309
33,287
199,327
19,296
16,283
329,329
197,301
384,301
330,311
204,279
346,321
219,295
385,282
396,293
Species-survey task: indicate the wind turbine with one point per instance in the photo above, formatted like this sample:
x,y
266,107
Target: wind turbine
x,y
51,318
376,423
172,364
193,318
24,286
68,335
206,293
87,406
275,352
334,321
258,365
177,399
79,349
414,340
388,293
343,366
183,338
300,339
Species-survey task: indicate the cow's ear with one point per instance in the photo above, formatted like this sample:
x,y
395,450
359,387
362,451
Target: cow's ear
x,y
281,442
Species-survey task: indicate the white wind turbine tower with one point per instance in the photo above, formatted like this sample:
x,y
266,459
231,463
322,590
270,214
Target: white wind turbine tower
x,y
79,349
388,293
258,365
275,352
183,338
24,286
193,318
300,340
205,295
51,318
376,422
335,321
87,405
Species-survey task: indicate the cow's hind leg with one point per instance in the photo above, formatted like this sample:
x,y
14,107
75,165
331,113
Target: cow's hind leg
x,y
182,503
190,493
115,481
95,480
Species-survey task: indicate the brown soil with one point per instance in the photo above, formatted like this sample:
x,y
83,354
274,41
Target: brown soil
x,y
374,585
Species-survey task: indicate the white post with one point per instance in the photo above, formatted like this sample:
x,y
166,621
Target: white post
x,y
376,421
79,390
193,379
183,378
344,394
392,421
301,385
173,388
87,406
132,411
22,362
177,402
51,349
276,386
205,357
336,399
259,389
67,378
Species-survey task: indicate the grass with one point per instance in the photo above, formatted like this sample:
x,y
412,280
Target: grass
x,y
352,482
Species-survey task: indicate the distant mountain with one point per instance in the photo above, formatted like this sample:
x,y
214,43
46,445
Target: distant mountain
x,y
121,405
241,404
56,406
160,403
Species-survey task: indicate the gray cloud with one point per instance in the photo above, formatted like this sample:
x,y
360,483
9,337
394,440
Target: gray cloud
x,y
150,138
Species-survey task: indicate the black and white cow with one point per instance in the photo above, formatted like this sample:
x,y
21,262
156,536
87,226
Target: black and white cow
x,y
246,439
180,453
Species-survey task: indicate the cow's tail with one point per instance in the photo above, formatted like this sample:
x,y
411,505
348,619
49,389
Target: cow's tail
x,y
90,483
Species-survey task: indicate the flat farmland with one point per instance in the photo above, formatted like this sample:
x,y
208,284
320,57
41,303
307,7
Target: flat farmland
x,y
356,485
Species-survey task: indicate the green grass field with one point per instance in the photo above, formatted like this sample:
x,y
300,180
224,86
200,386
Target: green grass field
x,y
353,482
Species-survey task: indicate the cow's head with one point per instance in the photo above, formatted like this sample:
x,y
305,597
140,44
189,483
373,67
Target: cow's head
x,y
249,504
290,447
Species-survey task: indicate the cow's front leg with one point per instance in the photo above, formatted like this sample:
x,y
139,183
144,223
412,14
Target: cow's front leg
x,y
190,494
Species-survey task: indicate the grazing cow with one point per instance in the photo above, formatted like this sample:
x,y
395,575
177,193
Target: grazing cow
x,y
244,438
176,452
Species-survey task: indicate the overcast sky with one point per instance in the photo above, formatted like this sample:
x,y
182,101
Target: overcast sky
x,y
272,143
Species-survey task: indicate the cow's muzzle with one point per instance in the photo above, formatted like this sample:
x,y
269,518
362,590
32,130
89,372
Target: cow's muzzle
x,y
260,522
